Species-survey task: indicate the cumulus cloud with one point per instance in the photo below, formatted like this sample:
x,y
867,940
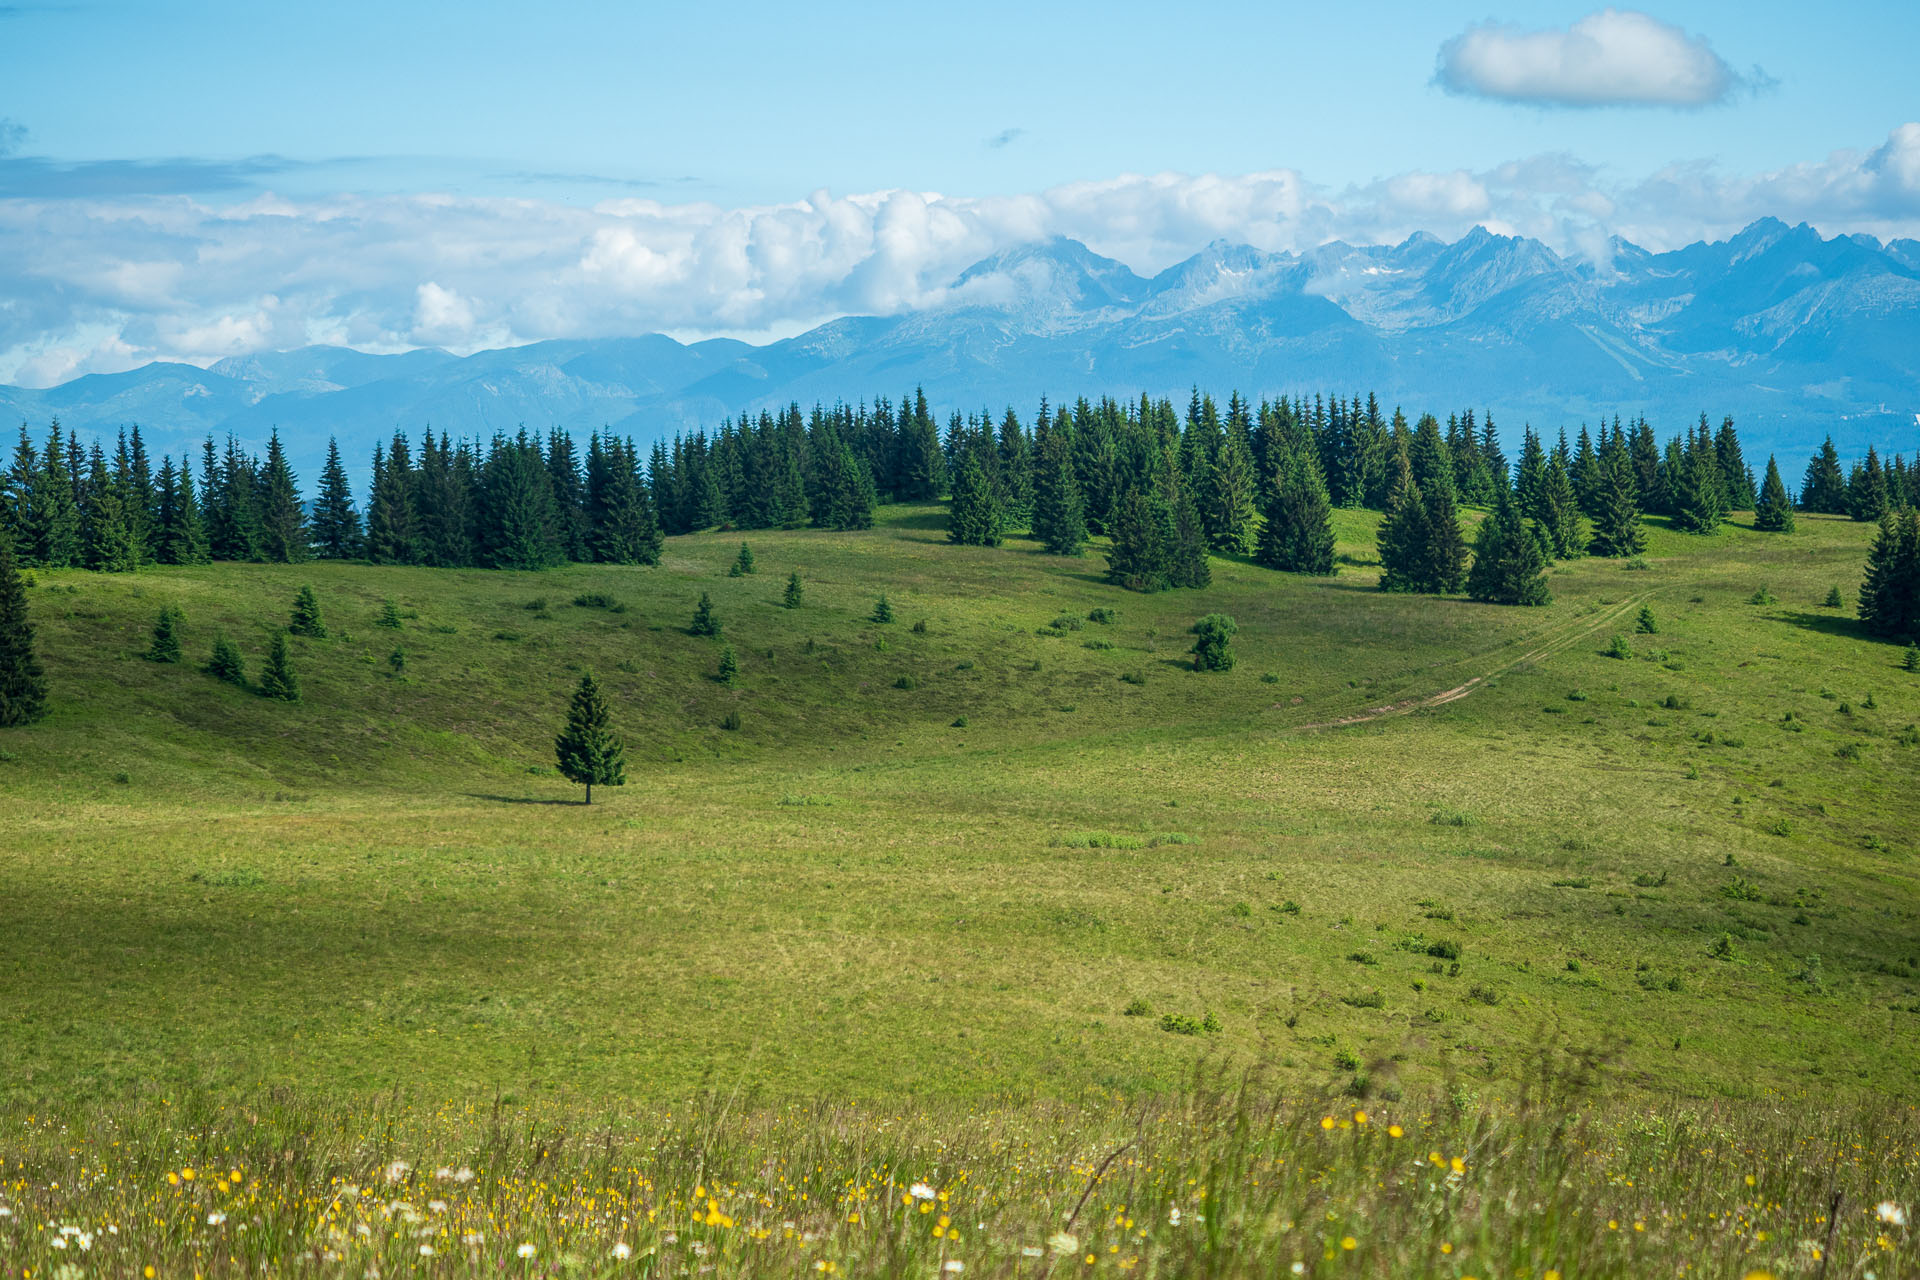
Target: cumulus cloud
x,y
1616,57
105,283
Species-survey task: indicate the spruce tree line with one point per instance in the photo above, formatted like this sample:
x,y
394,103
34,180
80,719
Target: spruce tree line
x,y
1243,479
1869,490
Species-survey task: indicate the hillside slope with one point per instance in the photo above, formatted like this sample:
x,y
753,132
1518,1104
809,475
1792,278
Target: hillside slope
x,y
948,862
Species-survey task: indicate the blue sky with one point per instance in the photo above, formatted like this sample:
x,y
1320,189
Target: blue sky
x,y
657,154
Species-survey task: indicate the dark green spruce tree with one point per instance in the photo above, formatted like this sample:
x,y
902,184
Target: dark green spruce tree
x,y
277,679
1231,496
1890,596
1508,565
336,525
1059,509
704,623
1824,487
1138,559
1617,530
165,646
795,594
1565,527
977,517
587,749
390,506
225,663
1773,513
1298,534
23,684
519,519
1867,498
1699,494
283,521
1187,563
1403,534
306,620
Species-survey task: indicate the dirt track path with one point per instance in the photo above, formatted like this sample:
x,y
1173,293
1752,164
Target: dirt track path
x,y
1552,640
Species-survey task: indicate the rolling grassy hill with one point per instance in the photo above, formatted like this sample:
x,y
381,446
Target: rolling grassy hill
x,y
993,849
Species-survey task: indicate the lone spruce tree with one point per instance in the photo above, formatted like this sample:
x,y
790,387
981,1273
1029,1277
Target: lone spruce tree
x,y
587,749
729,669
306,619
225,663
166,637
882,610
795,593
1508,565
1774,512
744,564
23,685
704,623
277,679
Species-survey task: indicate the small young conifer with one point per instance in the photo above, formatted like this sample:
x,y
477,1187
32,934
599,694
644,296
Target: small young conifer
x,y
1912,661
1648,625
306,619
277,679
744,564
389,615
587,749
729,666
397,660
794,593
1833,600
166,637
226,662
882,611
1212,645
704,623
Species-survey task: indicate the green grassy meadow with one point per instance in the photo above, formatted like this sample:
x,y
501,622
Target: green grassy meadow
x,y
1431,940
943,864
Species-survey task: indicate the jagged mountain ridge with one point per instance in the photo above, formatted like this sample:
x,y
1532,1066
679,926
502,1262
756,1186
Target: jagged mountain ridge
x,y
1792,333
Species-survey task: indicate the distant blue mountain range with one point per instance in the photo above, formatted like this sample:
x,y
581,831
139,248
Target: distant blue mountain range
x,y
1794,335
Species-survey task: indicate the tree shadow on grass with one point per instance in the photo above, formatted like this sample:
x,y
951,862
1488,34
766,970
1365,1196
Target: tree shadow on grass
x,y
480,795
1832,624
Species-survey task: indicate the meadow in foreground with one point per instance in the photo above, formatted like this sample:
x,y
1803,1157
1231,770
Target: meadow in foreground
x,y
1228,1183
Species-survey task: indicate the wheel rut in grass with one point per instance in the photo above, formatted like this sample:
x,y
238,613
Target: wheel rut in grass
x,y
1553,641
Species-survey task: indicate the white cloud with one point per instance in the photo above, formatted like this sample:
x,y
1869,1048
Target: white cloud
x,y
103,285
1616,57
